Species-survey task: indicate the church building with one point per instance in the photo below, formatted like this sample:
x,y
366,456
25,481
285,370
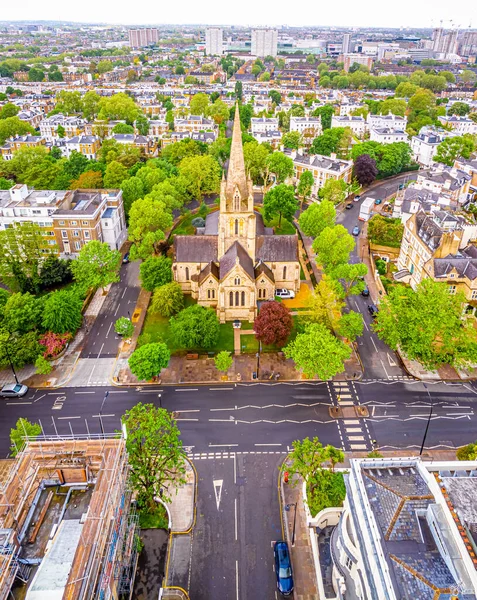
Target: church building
x,y
235,262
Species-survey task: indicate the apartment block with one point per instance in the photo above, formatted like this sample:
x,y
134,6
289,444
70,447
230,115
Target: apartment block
x,y
322,168
143,37
214,41
308,127
460,125
87,145
194,123
263,124
361,59
72,125
20,141
264,42
356,124
387,135
389,121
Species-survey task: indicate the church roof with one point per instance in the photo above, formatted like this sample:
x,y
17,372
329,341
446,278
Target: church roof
x,y
236,254
277,248
236,175
210,269
195,248
263,269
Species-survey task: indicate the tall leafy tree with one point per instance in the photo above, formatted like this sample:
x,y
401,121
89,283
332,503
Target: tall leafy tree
x,y
255,156
148,360
148,220
454,147
317,217
333,246
202,174
305,186
167,299
281,201
325,304
223,361
273,324
351,325
198,104
115,174
292,139
97,265
24,431
155,454
365,169
195,327
280,165
62,311
155,271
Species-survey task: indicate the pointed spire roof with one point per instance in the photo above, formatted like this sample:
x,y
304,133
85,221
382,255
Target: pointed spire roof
x,y
236,175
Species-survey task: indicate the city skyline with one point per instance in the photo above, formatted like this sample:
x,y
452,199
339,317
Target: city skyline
x,y
411,15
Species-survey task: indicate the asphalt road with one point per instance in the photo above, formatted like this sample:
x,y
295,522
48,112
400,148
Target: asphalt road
x,y
101,340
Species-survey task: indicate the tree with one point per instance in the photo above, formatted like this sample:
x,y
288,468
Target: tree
x,y
123,128
305,186
468,76
91,105
281,201
317,217
124,327
195,327
308,457
9,110
280,165
202,174
292,139
118,107
62,311
115,174
104,66
427,325
198,104
334,191
13,126
60,130
459,108
351,325
385,231
21,313
132,189
275,96
350,276
468,452
21,350
147,361
317,352
23,432
176,152
218,111
273,324
36,75
393,106
43,366
6,184
155,272
330,141
325,112
365,169
223,361
255,156
97,265
333,246
90,180
69,103
148,219
142,124
168,299
55,271
325,304
454,147
238,90
155,453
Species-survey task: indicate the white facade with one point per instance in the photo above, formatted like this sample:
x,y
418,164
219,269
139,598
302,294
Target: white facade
x,y
356,124
424,148
461,125
264,42
346,43
143,37
385,135
113,226
214,41
389,121
262,124
306,125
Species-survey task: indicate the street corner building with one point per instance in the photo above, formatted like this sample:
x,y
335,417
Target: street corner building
x,y
235,262
68,528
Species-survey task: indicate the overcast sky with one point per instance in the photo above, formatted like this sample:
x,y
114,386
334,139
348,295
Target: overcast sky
x,y
348,13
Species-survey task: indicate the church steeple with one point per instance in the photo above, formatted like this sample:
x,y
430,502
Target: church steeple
x,y
236,175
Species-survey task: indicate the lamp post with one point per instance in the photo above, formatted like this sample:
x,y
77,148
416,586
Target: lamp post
x,y
287,508
160,399
428,421
100,413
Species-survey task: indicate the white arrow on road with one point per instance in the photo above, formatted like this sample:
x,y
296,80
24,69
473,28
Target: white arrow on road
x,y
218,490
392,363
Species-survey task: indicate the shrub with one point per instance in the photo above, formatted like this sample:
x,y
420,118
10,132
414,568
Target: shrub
x,y
198,222
54,343
43,367
124,327
168,299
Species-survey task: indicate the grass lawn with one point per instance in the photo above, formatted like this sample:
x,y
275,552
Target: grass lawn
x,y
286,228
185,226
156,520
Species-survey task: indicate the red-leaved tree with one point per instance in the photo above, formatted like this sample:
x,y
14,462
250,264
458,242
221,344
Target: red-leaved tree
x,y
273,324
54,343
365,169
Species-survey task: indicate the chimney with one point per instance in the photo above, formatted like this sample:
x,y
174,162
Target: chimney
x,y
333,156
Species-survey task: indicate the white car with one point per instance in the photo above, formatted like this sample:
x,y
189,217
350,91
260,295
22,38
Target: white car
x,y
13,390
283,293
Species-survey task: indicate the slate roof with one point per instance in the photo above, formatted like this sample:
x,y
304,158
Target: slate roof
x,y
262,269
236,254
194,249
428,231
321,162
277,248
211,269
465,267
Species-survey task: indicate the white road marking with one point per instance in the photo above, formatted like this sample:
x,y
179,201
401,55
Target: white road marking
x,y
91,374
392,363
374,344
66,418
146,391
124,293
39,398
220,389
118,392
221,445
86,392
17,403
365,324
218,483
179,412
235,468
97,416
268,444
101,349
236,519
116,311
109,328
187,419
187,390
236,579
384,368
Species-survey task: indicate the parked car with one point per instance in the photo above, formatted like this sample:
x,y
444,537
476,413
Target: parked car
x,y
355,230
126,258
13,390
378,201
283,293
365,292
283,568
401,186
357,198
373,310
348,206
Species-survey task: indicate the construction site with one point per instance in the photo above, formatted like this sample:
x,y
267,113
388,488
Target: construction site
x,y
68,526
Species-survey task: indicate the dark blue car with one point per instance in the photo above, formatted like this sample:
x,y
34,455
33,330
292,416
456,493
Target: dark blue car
x,y
283,568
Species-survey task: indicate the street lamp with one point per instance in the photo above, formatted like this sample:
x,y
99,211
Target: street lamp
x,y
100,413
160,399
428,421
287,508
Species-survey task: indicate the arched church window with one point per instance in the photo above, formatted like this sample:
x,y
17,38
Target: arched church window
x,y
187,273
236,226
284,272
243,298
237,281
236,201
231,299
237,299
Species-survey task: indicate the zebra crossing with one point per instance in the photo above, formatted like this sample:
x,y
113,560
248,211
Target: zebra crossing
x,y
353,431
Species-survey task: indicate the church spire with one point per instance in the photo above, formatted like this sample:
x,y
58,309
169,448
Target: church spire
x,y
236,176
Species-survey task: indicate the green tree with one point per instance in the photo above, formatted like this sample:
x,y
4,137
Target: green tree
x,y
238,90
317,352
9,110
333,246
223,361
351,325
21,350
43,366
350,276
195,327
385,231
12,126
155,271
62,311
148,360
91,105
292,139
305,186
21,313
97,265
454,147
334,191
198,104
132,189
155,454
202,174
468,452
114,175
427,325
167,299
148,220
317,217
329,142
325,112
281,201
275,96
118,107
280,165
124,327
255,156
393,106
175,153
23,432
123,128
468,76
36,75
325,304
459,108
69,103
218,111
104,66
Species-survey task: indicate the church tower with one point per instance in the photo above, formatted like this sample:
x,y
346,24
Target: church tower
x,y
237,221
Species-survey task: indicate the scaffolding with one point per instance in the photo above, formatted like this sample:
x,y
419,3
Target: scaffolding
x,y
106,552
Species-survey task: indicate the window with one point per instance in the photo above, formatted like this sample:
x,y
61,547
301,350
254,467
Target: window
x,y
236,298
284,272
61,222
259,293
84,222
77,245
86,234
231,299
187,273
64,234
211,294
452,289
348,563
237,281
51,242
243,298
73,223
236,227
474,295
76,233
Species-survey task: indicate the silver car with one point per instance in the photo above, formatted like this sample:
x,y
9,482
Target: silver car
x,y
283,293
13,390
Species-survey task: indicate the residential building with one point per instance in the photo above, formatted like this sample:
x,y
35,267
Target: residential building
x,y
194,124
263,124
157,128
323,168
273,138
346,47
82,542
32,117
406,531
139,38
385,135
349,59
234,262
424,147
309,127
356,124
264,42
469,166
20,141
443,180
87,145
460,125
389,121
200,136
214,41
147,144
72,125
